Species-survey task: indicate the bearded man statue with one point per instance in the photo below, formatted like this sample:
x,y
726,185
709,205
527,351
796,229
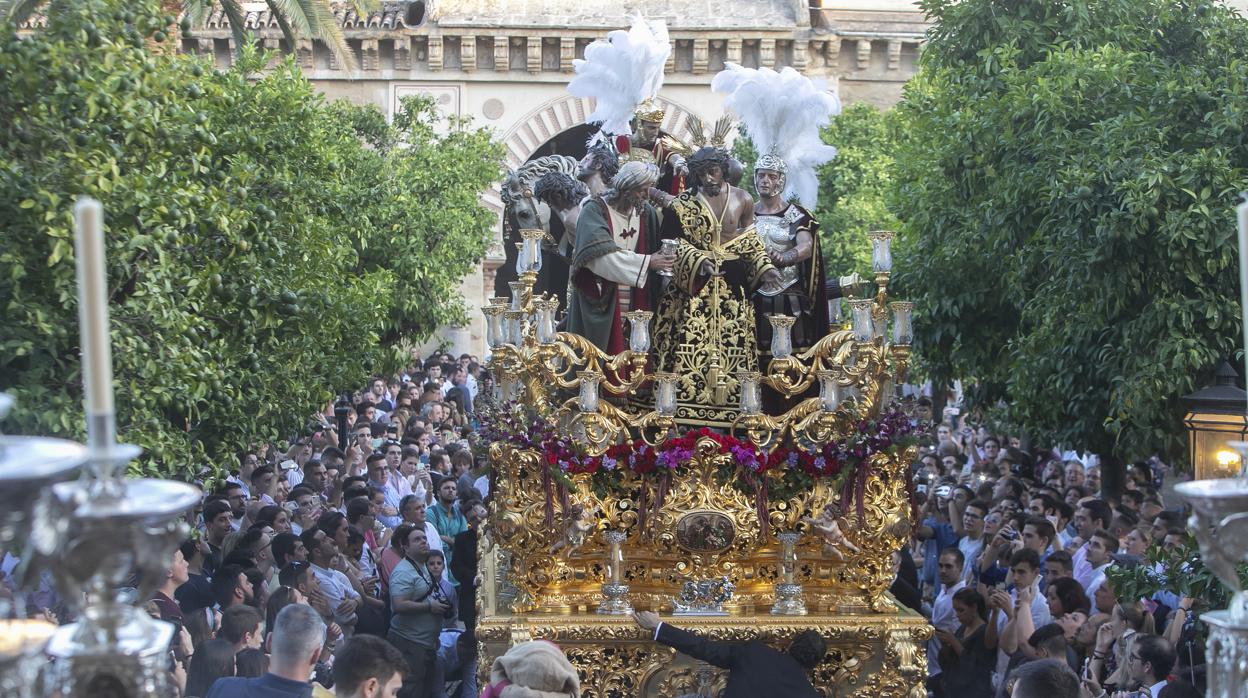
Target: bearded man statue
x,y
704,330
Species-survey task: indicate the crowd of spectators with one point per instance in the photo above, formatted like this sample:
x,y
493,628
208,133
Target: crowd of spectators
x,y
320,570
1009,561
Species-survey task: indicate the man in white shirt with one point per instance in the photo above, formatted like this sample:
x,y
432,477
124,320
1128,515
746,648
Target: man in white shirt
x,y
413,508
1091,515
394,460
342,598
949,572
1099,557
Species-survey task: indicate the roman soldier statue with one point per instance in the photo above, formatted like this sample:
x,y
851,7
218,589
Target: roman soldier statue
x,y
624,74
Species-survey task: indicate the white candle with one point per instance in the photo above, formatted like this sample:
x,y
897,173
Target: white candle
x,y
1242,210
97,353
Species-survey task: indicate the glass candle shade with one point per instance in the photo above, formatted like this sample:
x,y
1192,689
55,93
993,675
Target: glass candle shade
x,y
667,247
533,248
830,391
751,395
781,335
588,399
508,388
834,311
545,325
864,326
517,294
888,393
639,333
665,394
788,556
495,336
879,325
515,326
881,251
615,561
903,332
522,258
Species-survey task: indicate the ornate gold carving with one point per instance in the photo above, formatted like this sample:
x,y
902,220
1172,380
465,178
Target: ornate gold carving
x,y
868,656
656,564
699,522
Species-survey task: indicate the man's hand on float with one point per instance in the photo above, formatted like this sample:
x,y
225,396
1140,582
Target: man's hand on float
x,y
679,166
661,262
647,620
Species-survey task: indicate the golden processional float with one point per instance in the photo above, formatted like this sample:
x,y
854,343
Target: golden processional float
x,y
780,523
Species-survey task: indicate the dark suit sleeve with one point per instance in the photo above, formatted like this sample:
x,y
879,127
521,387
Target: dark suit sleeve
x,y
464,557
721,654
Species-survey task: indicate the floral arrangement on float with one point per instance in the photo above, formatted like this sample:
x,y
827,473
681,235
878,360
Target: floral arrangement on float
x,y
766,474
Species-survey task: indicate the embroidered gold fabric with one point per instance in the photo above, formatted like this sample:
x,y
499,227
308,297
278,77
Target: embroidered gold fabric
x,y
706,334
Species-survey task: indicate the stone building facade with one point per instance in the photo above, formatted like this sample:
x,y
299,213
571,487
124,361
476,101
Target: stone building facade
x,y
505,64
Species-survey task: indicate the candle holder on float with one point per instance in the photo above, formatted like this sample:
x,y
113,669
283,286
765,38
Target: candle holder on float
x,y
532,362
114,530
615,591
789,598
535,361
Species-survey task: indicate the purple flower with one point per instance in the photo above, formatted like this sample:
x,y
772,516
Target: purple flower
x,y
746,457
609,463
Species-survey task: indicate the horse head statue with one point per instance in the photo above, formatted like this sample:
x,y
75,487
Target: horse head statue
x,y
522,209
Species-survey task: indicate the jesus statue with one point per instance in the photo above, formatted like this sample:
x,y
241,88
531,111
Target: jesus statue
x,y
704,330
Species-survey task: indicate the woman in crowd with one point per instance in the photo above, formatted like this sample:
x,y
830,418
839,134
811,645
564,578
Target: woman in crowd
x,y
213,659
1066,596
1115,639
966,663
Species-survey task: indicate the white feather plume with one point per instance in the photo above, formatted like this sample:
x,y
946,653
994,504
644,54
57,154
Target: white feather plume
x,y
621,72
783,113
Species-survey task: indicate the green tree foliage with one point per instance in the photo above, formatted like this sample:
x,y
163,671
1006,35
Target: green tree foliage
x,y
1068,186
852,187
264,246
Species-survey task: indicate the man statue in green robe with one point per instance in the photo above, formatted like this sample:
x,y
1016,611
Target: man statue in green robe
x,y
616,254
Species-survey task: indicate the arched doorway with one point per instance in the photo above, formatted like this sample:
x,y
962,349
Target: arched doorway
x,y
571,143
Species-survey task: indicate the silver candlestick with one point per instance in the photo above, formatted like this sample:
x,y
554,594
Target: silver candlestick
x,y
615,592
28,467
789,598
1219,523
92,536
123,529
